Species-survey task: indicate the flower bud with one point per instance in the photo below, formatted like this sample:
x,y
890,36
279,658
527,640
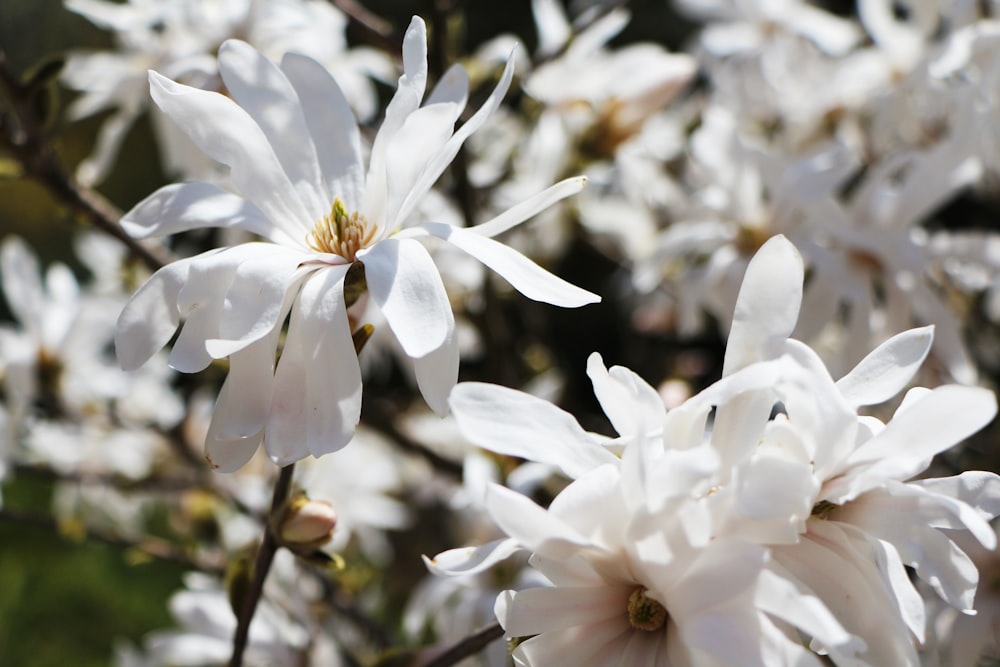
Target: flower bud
x,y
306,524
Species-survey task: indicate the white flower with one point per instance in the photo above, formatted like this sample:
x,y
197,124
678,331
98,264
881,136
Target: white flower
x,y
294,151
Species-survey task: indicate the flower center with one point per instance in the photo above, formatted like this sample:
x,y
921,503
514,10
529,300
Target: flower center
x,y
645,613
822,509
341,233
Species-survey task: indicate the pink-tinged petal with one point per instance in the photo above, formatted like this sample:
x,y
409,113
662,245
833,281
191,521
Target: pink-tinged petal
x,y
513,423
440,161
237,426
437,373
530,207
537,610
887,370
420,137
255,301
524,275
838,566
582,645
472,560
265,93
150,317
785,598
183,206
625,397
333,376
767,307
227,133
933,424
333,128
405,284
740,626
405,101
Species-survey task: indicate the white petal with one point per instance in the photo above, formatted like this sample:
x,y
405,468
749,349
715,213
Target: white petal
x,y
420,137
440,161
625,397
530,525
183,206
22,283
333,376
405,284
227,133
254,302
241,410
530,207
767,307
333,128
789,600
524,275
150,317
538,610
511,422
262,90
886,371
405,101
472,560
936,422
437,373
453,88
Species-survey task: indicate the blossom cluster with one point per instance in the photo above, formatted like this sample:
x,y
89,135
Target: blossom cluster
x,y
360,315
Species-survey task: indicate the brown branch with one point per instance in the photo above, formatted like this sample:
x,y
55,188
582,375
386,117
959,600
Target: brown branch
x,y
265,555
377,417
468,646
375,30
23,134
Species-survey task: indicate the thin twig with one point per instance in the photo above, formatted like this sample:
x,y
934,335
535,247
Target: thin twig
x,y
149,546
469,646
376,30
265,555
24,135
380,419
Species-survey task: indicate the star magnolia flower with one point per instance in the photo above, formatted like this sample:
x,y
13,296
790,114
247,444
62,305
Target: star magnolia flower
x,y
294,151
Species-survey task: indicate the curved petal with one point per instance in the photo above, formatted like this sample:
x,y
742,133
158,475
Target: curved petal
x,y
183,206
887,369
317,398
626,398
265,93
412,147
241,410
437,373
530,207
767,307
227,133
932,424
405,101
440,161
472,560
150,318
405,284
332,126
254,301
524,275
540,431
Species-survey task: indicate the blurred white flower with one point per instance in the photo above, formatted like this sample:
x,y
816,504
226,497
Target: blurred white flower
x,y
295,154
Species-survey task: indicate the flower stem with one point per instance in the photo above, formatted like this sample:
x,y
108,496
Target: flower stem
x,y
468,646
265,556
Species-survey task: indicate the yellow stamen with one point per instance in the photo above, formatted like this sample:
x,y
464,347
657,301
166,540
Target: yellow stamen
x,y
645,613
341,233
